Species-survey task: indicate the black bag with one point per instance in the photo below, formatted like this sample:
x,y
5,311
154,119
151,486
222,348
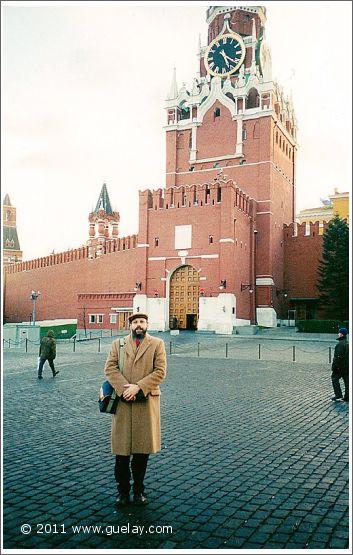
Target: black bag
x,y
108,397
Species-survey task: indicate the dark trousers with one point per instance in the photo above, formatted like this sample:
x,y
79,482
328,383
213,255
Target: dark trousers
x,y
122,472
41,364
335,378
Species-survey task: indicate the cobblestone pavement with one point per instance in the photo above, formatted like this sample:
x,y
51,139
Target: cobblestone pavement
x,y
254,456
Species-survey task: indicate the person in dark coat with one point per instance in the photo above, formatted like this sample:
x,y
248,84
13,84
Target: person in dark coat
x,y
47,351
340,366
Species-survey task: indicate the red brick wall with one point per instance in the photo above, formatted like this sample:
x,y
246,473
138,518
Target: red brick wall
x,y
302,254
216,136
60,284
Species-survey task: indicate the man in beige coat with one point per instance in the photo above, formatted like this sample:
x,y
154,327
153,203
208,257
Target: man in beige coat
x,y
136,428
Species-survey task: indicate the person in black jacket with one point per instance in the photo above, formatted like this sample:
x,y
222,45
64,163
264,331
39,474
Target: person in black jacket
x,y
47,351
340,366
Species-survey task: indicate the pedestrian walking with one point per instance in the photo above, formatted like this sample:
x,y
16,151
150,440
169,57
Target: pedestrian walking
x,y
340,366
136,429
47,351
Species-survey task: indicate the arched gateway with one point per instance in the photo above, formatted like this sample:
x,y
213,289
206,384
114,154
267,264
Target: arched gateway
x,y
184,298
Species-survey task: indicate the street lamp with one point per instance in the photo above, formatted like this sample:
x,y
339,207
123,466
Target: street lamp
x,y
245,286
34,296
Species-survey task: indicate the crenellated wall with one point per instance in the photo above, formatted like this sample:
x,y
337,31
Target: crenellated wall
x,y
114,245
61,277
302,253
221,218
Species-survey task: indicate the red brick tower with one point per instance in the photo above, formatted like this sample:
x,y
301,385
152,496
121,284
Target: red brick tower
x,y
103,225
236,120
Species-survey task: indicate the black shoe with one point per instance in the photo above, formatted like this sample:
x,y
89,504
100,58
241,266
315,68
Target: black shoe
x,y
140,499
40,377
56,373
122,500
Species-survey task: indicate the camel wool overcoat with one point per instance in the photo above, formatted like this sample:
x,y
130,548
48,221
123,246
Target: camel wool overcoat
x,y
136,426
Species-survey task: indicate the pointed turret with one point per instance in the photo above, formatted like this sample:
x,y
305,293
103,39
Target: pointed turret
x,y
104,201
7,201
103,224
173,92
11,246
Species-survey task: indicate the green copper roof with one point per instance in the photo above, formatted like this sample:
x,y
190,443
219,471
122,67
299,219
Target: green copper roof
x,y
7,201
103,201
10,239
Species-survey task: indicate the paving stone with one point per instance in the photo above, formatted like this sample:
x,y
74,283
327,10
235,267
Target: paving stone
x,y
286,487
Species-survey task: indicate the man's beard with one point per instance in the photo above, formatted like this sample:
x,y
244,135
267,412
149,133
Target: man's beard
x,y
138,333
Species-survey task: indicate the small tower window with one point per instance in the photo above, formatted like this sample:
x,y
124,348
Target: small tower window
x,y
245,135
219,193
216,165
207,195
156,241
191,169
216,113
210,239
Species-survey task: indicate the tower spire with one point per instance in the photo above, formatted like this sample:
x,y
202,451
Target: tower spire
x,y
173,92
103,202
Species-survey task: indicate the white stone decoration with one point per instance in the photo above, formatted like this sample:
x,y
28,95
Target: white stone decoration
x,y
183,236
216,313
157,314
266,317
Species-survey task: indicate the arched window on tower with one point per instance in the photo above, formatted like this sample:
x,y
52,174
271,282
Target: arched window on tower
x,y
216,113
207,194
180,140
253,99
194,196
183,112
219,193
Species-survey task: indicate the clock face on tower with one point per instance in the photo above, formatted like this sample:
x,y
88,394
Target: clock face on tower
x,y
225,54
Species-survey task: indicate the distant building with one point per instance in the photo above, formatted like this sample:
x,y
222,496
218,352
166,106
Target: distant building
x,y
11,245
337,203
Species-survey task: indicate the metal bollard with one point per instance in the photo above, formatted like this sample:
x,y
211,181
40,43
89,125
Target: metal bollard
x,y
111,332
293,353
226,350
198,349
99,345
170,347
330,354
26,345
259,351
9,343
74,349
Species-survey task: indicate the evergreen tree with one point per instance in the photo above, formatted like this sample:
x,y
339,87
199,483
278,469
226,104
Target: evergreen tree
x,y
333,270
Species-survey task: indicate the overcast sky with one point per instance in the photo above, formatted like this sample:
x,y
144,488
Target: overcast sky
x,y
83,91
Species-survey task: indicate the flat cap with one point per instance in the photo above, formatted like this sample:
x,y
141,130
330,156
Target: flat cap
x,y
137,315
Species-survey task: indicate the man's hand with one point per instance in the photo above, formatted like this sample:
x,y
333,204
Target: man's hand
x,y
131,390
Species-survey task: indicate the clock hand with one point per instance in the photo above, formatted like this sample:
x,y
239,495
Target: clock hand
x,y
236,60
225,57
